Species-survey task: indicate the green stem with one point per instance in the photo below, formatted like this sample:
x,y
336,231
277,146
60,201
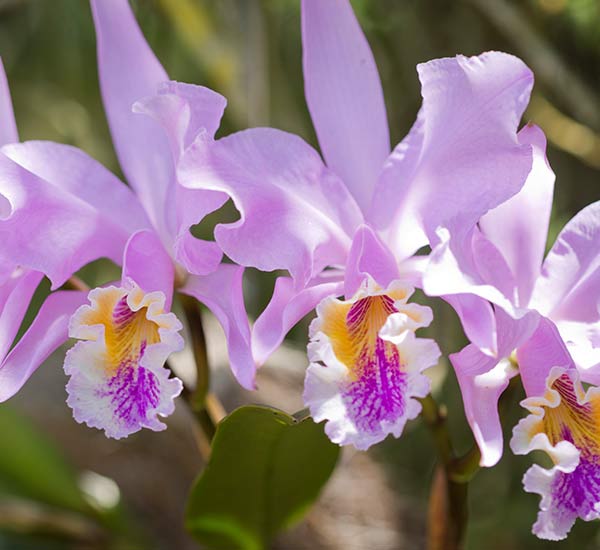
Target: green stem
x,y
448,505
197,398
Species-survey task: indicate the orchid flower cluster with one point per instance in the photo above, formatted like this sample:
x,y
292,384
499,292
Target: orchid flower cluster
x,y
459,208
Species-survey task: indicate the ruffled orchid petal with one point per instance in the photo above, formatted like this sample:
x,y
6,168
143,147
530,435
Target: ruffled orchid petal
x,y
369,256
77,173
462,158
478,321
48,331
569,286
483,378
147,264
221,292
184,111
539,354
295,214
129,71
117,379
563,423
472,265
16,291
519,227
344,95
366,364
8,126
583,342
48,229
286,307
468,273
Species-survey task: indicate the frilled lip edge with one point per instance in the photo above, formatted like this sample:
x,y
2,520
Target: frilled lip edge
x,y
554,519
89,388
328,378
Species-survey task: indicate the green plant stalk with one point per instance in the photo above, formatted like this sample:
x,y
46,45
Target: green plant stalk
x,y
448,502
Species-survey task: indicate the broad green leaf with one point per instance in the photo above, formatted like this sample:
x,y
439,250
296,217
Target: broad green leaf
x,y
30,465
266,469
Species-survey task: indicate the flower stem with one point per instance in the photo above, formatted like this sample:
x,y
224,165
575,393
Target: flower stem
x,y
206,406
448,504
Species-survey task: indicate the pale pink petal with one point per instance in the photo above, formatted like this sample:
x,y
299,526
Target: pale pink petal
x,y
286,307
47,229
462,157
184,111
8,126
77,173
294,213
129,71
222,293
148,265
483,378
519,227
48,331
569,286
539,354
369,256
16,291
344,95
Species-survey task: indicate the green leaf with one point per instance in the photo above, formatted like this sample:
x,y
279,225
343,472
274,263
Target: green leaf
x,y
266,469
31,466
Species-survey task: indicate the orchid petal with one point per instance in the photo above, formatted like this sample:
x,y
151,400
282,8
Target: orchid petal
x,y
147,263
286,307
47,332
8,126
117,381
467,273
569,286
50,230
563,423
128,72
221,292
184,111
367,365
344,95
539,354
478,321
369,256
463,157
82,176
16,292
483,378
519,227
295,214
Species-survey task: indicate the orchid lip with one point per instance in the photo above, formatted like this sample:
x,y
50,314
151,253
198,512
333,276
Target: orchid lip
x,y
117,379
366,364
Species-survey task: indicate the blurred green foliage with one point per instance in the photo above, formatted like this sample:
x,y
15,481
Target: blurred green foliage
x,y
250,51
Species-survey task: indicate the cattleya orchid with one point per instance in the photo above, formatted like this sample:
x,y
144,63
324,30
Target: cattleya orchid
x,y
546,326
117,379
351,226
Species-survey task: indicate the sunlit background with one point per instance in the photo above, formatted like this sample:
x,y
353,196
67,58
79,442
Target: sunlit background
x,y
66,486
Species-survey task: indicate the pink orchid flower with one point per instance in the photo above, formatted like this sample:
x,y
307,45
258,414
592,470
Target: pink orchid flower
x,y
351,225
117,379
546,327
